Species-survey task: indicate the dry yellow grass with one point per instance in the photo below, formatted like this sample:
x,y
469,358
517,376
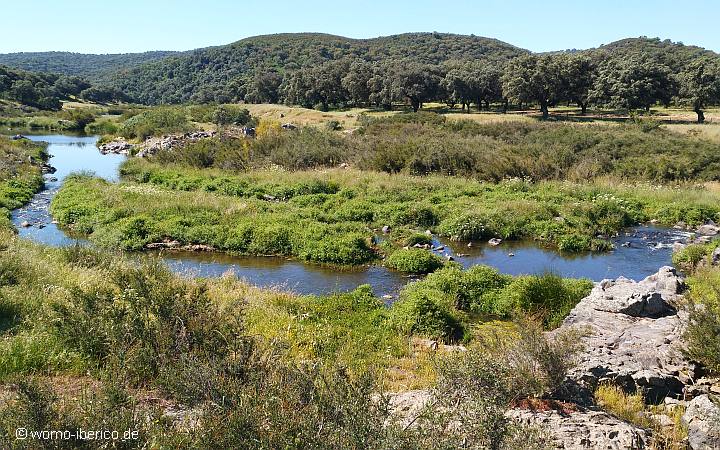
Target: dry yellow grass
x,y
304,116
708,130
632,408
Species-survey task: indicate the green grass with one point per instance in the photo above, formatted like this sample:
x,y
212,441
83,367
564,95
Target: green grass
x,y
414,260
328,217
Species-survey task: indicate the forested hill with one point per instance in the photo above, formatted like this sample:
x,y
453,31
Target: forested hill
x,y
218,73
91,67
674,55
338,71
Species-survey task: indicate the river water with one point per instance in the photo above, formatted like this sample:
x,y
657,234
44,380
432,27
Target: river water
x,y
645,248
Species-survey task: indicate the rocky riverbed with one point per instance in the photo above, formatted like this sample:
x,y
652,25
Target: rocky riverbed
x,y
151,145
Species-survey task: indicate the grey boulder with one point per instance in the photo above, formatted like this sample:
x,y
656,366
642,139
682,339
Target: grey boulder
x,y
702,418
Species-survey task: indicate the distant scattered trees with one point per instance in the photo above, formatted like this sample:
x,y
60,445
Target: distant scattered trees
x,y
533,78
635,83
324,72
700,86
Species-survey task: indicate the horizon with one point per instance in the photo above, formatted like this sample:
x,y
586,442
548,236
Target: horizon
x,y
661,38
175,27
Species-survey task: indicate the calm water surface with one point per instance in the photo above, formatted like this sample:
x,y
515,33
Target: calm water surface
x,y
645,249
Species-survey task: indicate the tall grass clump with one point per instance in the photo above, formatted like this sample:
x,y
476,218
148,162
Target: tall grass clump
x,y
414,260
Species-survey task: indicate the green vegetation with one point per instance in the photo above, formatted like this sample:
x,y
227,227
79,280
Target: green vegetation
x,y
92,67
322,71
126,329
328,217
483,290
155,121
703,332
266,369
633,409
694,255
45,90
414,260
425,143
20,175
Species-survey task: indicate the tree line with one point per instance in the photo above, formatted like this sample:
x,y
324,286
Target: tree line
x,y
637,82
323,71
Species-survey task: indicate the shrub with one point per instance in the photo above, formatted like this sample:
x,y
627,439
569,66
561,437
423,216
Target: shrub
x,y
548,295
702,336
574,242
476,289
333,125
141,318
103,127
230,114
526,361
416,215
628,407
465,227
414,261
425,313
343,250
271,239
418,238
691,256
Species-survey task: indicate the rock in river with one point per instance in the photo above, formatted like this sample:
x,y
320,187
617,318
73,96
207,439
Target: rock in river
x,y
708,229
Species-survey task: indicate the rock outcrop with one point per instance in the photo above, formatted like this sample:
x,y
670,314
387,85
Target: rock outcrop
x,y
154,145
117,146
584,429
702,418
633,336
581,428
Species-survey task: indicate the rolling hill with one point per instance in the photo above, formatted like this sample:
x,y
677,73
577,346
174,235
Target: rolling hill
x,y
91,67
214,73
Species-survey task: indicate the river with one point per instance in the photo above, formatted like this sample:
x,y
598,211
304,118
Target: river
x,y
645,250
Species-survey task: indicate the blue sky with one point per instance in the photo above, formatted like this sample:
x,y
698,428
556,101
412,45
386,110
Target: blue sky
x,y
115,26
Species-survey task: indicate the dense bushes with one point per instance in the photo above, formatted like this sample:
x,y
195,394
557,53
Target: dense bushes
x,y
538,151
703,336
428,143
426,314
694,256
260,227
414,260
155,122
485,291
703,331
142,344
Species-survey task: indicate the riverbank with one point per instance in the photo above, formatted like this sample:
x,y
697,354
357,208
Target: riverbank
x,y
22,164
